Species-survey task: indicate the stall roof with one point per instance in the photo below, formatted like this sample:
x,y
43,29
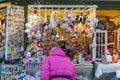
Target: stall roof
x,y
102,4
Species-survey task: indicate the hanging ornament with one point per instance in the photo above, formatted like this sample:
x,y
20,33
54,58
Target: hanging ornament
x,y
27,31
46,27
26,62
77,20
83,19
88,22
57,35
62,38
81,29
65,25
89,35
70,24
38,24
28,26
33,34
29,36
53,24
34,16
87,31
44,34
65,19
38,35
28,55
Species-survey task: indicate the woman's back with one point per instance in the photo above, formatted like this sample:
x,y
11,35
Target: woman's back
x,y
57,64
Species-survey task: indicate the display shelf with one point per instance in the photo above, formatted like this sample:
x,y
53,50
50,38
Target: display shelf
x,y
67,35
15,32
106,41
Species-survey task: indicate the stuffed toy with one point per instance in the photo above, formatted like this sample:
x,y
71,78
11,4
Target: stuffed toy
x,y
38,35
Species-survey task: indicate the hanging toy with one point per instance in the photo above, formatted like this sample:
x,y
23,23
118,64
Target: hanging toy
x,y
65,19
53,24
83,19
87,31
57,35
38,35
88,21
44,34
77,20
28,26
69,16
81,29
26,61
89,35
38,24
28,55
27,31
65,25
46,27
70,24
30,36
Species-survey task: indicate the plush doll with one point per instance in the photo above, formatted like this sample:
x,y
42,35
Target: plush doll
x,y
77,20
28,27
64,25
38,35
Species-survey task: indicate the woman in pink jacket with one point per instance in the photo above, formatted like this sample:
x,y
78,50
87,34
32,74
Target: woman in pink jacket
x,y
57,66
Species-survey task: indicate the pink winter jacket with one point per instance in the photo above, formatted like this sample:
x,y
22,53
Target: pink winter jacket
x,y
57,64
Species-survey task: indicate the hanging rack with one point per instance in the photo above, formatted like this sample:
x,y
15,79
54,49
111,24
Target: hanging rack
x,y
63,6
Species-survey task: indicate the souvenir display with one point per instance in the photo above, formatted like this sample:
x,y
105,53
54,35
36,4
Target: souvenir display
x,y
107,43
2,32
8,71
106,25
15,32
69,29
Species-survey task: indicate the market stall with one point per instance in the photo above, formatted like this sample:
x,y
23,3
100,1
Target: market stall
x,y
107,50
67,26
11,41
